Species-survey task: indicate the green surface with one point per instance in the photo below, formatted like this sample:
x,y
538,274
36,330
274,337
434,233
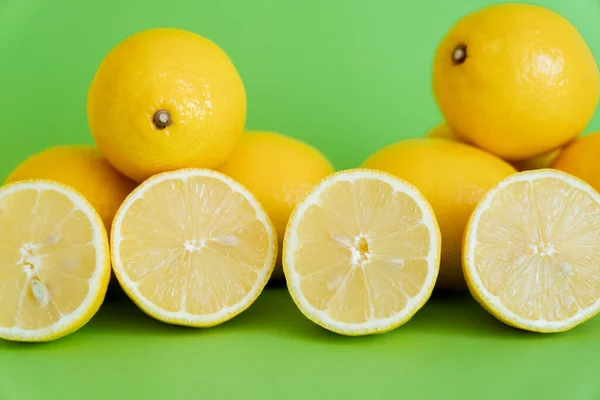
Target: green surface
x,y
348,76
451,349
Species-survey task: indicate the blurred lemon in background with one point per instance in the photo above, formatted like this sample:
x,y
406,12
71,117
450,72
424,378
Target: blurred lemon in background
x,y
85,170
453,177
279,170
582,159
537,162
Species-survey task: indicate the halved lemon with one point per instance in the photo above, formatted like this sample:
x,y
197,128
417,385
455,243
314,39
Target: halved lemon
x,y
192,247
54,261
362,252
531,253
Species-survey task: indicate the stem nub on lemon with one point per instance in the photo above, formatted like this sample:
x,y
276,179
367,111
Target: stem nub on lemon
x,y
531,253
361,252
517,80
192,247
55,261
165,99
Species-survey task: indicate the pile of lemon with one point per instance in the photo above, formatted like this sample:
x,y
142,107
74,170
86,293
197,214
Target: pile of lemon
x,y
192,214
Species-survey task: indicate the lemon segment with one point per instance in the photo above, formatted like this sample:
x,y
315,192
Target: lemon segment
x,y
361,252
531,253
54,261
193,247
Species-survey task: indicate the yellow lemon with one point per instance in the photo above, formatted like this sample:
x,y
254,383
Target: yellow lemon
x,y
581,159
280,171
85,170
531,251
362,252
165,99
453,177
542,161
55,261
442,131
517,80
192,247
537,162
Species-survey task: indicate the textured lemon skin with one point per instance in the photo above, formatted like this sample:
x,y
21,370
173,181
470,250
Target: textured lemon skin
x,y
280,171
296,294
453,177
580,159
84,169
469,268
172,70
123,279
529,83
104,276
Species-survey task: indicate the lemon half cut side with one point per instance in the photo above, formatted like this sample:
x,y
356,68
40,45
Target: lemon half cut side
x,y
362,252
193,247
54,261
532,251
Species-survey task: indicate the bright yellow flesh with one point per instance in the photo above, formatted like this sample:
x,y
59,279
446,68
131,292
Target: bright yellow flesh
x,y
360,252
46,248
193,246
538,251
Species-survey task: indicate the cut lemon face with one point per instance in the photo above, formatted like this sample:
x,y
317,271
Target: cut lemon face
x,y
192,247
54,261
361,253
531,254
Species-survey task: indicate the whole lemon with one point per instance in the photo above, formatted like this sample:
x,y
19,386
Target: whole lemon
x,y
580,158
453,177
280,171
536,162
517,80
85,170
165,99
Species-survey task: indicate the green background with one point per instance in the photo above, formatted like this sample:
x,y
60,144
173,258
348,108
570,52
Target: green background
x,y
348,76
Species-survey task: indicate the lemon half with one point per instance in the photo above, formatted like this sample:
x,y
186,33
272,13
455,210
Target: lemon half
x,y
531,252
362,252
54,261
193,247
